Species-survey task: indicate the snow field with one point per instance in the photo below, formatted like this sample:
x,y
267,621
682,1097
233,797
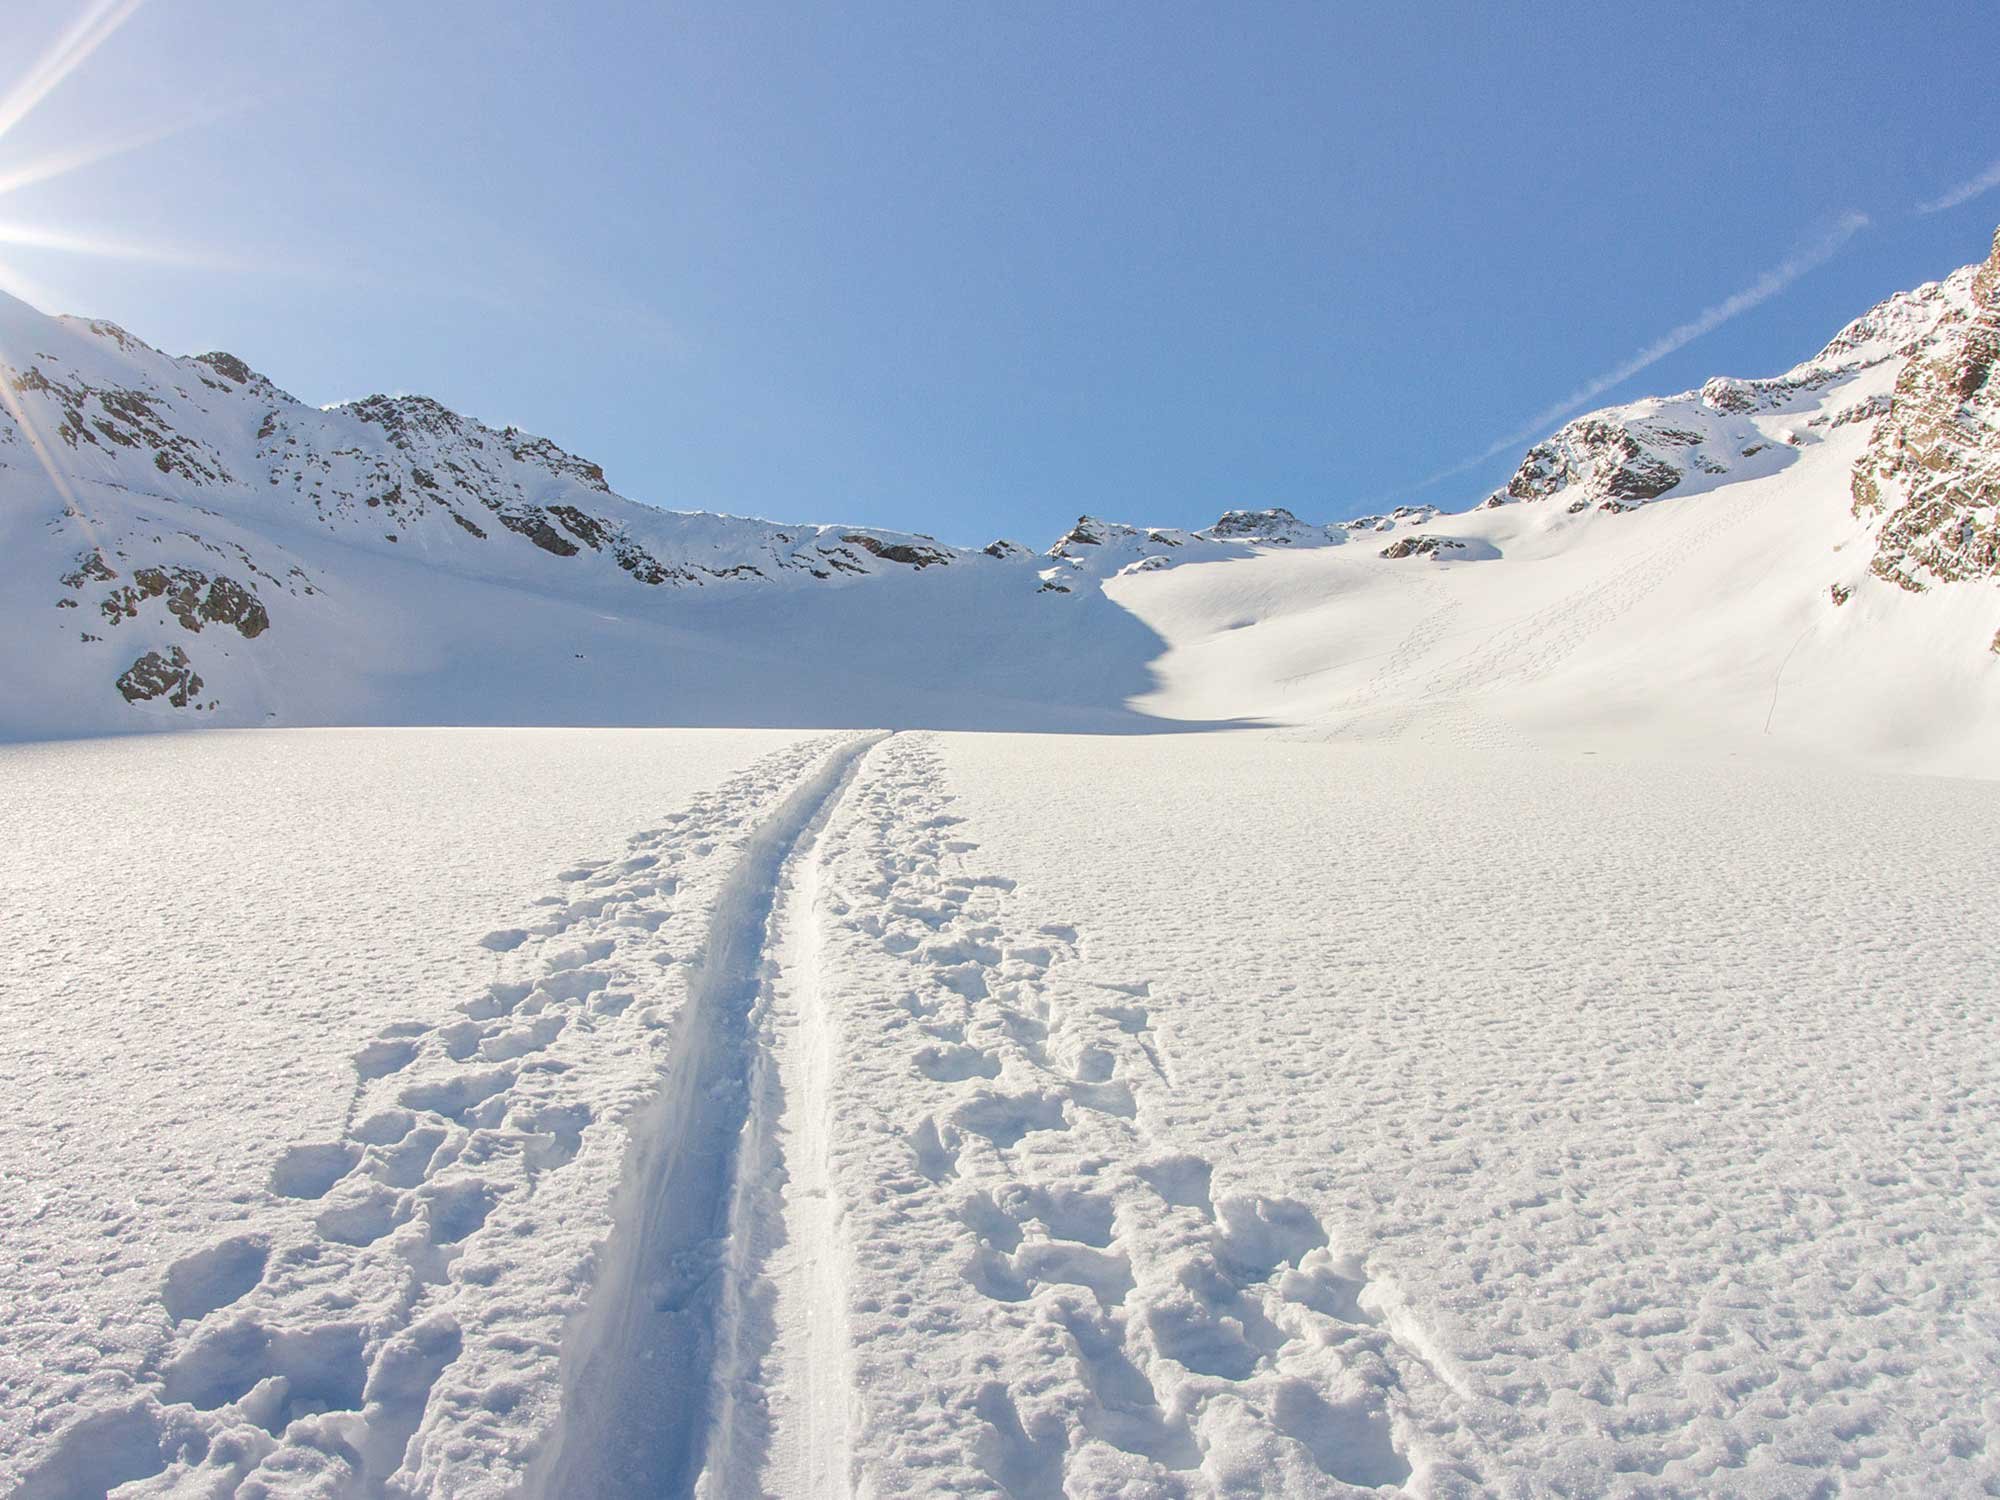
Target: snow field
x,y
1048,1298
1054,1115
1653,1103
206,1183
1701,625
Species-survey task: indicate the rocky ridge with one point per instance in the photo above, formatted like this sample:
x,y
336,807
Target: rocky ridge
x,y
162,499
1623,457
1931,472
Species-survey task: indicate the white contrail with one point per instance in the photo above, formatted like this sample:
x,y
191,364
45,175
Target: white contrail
x,y
1765,287
1965,192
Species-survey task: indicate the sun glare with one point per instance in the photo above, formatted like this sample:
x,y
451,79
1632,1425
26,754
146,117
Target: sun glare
x,y
21,99
97,25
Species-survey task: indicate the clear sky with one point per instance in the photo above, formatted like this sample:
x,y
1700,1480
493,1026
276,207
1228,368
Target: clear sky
x,y
972,269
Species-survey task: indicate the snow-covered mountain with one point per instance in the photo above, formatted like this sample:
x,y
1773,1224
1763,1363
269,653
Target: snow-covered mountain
x,y
188,544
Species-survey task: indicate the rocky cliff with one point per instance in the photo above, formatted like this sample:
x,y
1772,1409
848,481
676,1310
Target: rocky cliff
x,y
1931,473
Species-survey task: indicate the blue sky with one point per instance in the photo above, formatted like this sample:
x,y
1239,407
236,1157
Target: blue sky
x,y
973,269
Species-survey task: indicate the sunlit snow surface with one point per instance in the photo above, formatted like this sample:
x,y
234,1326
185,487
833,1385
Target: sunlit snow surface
x,y
602,1113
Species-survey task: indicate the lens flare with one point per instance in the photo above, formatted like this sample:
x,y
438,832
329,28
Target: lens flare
x,y
97,25
72,49
99,22
47,237
13,179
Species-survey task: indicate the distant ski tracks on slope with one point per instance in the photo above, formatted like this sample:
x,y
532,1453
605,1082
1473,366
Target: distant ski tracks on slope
x,y
1415,691
893,1213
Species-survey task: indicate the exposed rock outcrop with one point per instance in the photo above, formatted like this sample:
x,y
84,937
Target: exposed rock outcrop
x,y
171,676
1627,456
1274,526
1932,467
911,554
191,597
1422,544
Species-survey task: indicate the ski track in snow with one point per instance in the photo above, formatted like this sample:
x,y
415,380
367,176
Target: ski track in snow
x,y
309,1367
665,1327
895,1217
1417,692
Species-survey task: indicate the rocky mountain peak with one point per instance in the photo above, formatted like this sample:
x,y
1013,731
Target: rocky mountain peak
x,y
1274,525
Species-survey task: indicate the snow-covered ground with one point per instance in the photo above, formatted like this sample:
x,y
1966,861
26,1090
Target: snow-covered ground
x,y
201,933
576,1113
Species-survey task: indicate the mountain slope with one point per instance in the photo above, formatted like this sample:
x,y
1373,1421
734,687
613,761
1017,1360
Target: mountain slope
x,y
188,545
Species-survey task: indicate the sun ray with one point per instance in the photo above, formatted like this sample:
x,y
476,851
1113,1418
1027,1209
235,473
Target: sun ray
x,y
10,400
75,157
92,30
45,237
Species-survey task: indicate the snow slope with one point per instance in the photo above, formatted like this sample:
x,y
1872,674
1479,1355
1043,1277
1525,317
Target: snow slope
x,y
1805,563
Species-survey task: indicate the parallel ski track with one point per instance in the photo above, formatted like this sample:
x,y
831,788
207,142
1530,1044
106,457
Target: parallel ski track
x,y
651,1367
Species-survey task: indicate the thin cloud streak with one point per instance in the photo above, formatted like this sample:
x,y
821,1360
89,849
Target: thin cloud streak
x,y
1965,192
1765,287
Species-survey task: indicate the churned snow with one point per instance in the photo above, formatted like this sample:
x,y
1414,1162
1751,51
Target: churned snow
x,y
207,940
580,1113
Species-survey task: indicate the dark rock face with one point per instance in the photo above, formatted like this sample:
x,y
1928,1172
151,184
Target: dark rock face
x,y
1421,545
587,529
155,676
229,367
1605,457
1274,524
1088,532
1860,411
89,565
1726,395
1932,465
643,566
229,603
113,418
534,525
897,552
191,597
